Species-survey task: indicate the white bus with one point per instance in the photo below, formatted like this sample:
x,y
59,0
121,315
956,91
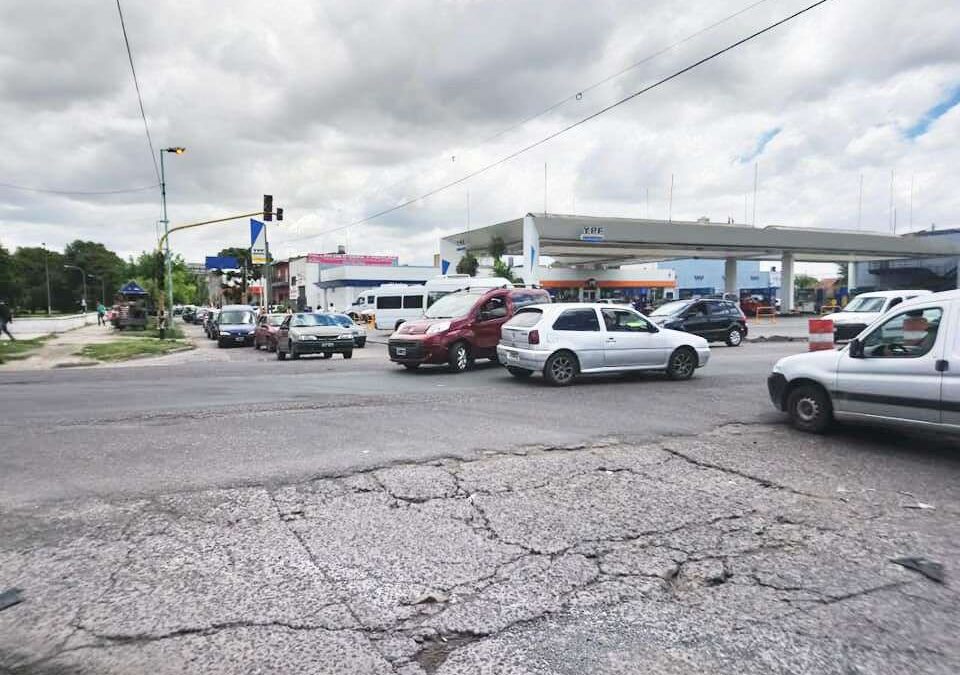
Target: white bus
x,y
396,303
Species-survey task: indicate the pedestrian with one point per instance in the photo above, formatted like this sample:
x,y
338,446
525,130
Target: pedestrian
x,y
83,305
101,314
6,317
332,309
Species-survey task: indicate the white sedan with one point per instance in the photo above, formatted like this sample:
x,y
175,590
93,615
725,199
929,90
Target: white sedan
x,y
565,340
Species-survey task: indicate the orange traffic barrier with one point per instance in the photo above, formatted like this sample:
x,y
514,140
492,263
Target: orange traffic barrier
x,y
821,335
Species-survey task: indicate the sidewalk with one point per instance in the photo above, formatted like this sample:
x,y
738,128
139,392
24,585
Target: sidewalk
x,y
58,352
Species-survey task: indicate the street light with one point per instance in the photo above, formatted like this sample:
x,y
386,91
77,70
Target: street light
x,y
166,227
83,277
103,287
46,268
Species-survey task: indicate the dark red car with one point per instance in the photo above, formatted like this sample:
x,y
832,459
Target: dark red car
x,y
460,327
265,335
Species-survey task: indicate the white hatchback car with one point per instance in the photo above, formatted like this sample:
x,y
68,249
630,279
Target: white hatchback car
x,y
564,340
903,369
866,308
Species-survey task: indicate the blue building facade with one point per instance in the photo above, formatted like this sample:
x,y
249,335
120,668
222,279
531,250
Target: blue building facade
x,y
934,274
706,277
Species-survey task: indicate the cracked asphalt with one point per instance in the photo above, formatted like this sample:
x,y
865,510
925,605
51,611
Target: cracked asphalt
x,y
677,530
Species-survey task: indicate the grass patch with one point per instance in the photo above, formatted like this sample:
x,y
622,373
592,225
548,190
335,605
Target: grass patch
x,y
20,349
121,350
175,333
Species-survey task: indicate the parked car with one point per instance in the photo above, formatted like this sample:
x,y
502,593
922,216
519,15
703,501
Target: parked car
x,y
236,325
713,320
565,340
866,308
189,314
265,335
460,327
201,316
359,332
902,369
308,333
210,324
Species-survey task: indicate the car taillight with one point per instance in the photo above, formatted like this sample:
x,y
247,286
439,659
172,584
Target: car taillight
x,y
533,337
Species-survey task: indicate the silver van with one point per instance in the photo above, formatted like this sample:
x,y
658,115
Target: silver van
x,y
902,369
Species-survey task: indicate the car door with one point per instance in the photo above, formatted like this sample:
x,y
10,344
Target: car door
x,y
950,384
578,329
490,317
894,371
696,319
629,340
283,335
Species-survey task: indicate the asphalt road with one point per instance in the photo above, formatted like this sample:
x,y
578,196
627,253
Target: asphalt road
x,y
235,416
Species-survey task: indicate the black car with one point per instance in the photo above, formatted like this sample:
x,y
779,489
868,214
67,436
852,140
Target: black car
x,y
713,320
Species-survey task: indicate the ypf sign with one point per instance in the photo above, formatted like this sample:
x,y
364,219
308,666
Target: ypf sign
x,y
258,243
592,234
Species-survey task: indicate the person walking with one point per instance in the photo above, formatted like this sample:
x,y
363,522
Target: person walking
x,y
101,314
6,318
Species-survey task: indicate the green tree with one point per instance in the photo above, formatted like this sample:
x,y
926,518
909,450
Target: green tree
x,y
496,248
502,269
9,288
148,271
96,259
805,281
30,265
468,264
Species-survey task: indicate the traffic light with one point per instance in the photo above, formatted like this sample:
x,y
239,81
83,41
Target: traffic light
x,y
268,207
279,214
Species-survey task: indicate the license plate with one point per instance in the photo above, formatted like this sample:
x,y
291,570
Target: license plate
x,y
513,356
238,339
401,351
326,344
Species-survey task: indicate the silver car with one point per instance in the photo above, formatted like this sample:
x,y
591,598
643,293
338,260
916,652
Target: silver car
x,y
903,369
565,340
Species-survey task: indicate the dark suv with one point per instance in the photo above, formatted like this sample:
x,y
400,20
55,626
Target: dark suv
x,y
460,327
714,320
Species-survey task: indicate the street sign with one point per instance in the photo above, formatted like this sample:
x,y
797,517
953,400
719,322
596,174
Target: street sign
x,y
258,242
221,263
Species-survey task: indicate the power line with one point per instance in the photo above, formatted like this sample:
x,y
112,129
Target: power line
x,y
136,84
569,127
51,191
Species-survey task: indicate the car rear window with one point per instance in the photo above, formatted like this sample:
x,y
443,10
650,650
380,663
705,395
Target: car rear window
x,y
526,318
577,319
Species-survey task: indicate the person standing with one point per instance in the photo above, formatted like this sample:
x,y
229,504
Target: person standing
x,y
6,317
101,314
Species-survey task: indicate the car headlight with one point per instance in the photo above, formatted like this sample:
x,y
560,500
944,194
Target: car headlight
x,y
306,337
225,332
441,327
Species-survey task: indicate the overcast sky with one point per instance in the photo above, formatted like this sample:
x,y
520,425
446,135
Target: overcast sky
x,y
342,109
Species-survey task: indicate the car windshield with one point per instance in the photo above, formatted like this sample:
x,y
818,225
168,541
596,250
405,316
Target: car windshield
x,y
231,317
275,319
306,320
342,319
863,304
452,306
671,308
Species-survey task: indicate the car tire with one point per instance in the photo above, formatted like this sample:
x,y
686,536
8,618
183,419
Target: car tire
x,y
361,343
682,364
294,354
734,337
326,355
810,408
220,344
561,369
397,326
348,355
520,373
458,357
281,355
411,366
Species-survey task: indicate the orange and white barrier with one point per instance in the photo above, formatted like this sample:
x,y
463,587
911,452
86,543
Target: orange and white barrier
x,y
821,335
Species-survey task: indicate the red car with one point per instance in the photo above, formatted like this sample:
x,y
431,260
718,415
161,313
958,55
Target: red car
x,y
460,327
266,333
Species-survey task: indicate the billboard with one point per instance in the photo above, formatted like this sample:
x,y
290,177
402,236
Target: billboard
x,y
361,260
214,262
258,243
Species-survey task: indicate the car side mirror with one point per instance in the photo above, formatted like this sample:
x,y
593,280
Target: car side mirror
x,y
856,349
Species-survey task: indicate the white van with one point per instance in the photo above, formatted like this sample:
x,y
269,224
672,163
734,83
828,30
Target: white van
x,y
903,369
866,308
396,303
364,302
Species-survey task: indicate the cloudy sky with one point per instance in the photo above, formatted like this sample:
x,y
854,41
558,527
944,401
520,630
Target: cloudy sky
x,y
343,108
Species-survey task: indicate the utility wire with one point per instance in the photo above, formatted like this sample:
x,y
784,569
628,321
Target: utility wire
x,y
569,127
49,191
136,84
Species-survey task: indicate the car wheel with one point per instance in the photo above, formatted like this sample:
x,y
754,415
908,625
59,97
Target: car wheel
x,y
220,344
561,369
682,364
348,355
458,357
521,373
281,355
294,354
361,343
397,327
411,366
810,408
734,337
326,355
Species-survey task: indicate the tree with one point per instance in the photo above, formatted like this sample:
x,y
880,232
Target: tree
x,y
468,264
96,259
9,290
496,248
148,271
805,281
502,269
31,264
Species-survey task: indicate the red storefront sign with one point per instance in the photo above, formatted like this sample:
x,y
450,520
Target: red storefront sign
x,y
345,259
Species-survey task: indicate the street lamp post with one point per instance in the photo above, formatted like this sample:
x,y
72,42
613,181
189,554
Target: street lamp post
x,y
83,278
103,287
166,230
46,268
